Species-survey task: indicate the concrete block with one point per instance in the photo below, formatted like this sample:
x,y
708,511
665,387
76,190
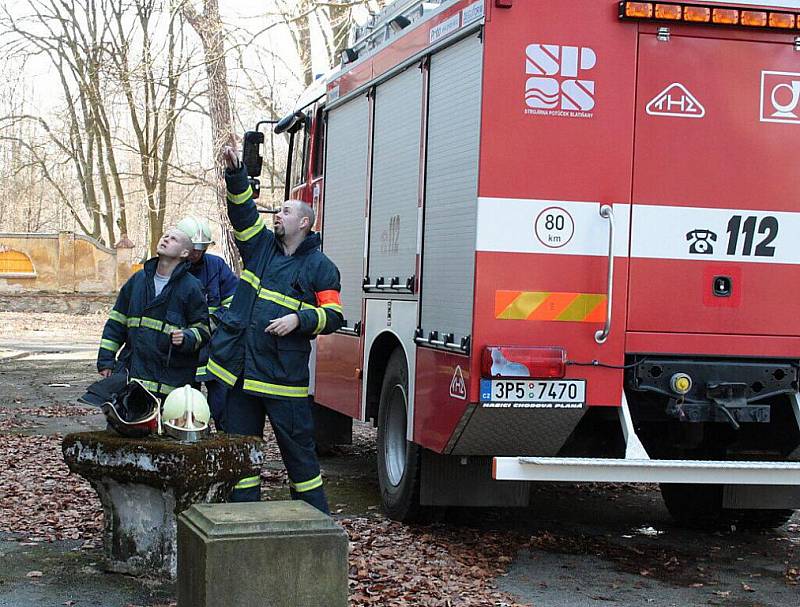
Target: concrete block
x,y
143,484
260,554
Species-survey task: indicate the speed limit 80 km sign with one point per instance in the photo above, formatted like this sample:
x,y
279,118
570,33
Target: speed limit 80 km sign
x,y
554,227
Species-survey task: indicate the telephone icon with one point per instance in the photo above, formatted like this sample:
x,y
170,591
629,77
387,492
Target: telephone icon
x,y
701,242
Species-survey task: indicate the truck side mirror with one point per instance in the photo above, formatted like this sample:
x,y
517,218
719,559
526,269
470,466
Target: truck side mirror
x,y
251,152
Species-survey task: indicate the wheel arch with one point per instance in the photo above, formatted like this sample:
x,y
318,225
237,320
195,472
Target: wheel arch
x,y
382,347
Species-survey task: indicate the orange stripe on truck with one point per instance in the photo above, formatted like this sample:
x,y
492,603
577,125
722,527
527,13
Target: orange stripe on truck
x,y
545,305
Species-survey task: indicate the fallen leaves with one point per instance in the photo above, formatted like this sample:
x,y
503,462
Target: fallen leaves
x,y
41,499
396,564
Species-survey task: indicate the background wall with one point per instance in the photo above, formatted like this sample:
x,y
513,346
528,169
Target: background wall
x,y
62,263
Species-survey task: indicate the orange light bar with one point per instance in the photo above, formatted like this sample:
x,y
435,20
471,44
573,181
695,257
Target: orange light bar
x,y
668,11
754,18
697,14
639,9
782,20
728,16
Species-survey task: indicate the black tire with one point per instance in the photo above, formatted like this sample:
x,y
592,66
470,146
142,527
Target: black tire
x,y
398,459
760,519
700,507
694,506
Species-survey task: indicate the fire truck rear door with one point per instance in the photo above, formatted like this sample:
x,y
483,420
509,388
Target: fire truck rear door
x,y
716,187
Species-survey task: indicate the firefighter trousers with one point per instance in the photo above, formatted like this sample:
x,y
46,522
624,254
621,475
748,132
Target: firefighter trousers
x,y
217,402
293,426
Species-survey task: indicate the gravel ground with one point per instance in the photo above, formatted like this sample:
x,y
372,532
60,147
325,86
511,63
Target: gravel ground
x,y
576,545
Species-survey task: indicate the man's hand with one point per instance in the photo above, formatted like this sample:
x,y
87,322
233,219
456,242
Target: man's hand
x,y
284,325
105,373
232,161
177,337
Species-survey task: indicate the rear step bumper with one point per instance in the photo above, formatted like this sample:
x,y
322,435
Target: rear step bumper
x,y
579,469
637,467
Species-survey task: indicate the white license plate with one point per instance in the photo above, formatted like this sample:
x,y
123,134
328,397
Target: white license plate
x,y
548,393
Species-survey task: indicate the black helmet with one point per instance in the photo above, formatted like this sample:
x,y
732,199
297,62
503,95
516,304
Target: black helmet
x,y
133,411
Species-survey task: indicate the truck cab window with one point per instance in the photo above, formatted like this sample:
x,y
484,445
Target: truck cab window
x,y
300,157
319,143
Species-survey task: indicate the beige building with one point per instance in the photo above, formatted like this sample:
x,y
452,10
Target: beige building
x,y
62,263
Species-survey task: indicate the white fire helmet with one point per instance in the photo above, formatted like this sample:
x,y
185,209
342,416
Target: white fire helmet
x,y
185,415
198,230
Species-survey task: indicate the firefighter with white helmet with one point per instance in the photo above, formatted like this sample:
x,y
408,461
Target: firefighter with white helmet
x,y
198,230
159,321
219,284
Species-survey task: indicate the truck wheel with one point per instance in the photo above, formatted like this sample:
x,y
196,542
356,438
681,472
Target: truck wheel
x,y
694,505
700,506
398,459
760,519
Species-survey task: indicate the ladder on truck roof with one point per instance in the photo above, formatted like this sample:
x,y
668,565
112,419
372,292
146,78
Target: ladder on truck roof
x,y
389,22
637,467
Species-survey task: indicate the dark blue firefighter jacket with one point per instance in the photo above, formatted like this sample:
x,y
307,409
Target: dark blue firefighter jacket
x,y
143,322
272,285
219,284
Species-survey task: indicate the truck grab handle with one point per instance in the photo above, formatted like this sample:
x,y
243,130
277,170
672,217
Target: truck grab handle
x,y
606,212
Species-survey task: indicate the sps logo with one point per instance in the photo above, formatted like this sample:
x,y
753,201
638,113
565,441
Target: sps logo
x,y
780,97
554,84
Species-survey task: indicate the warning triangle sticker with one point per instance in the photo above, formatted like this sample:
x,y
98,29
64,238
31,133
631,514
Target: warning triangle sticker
x,y
676,100
458,387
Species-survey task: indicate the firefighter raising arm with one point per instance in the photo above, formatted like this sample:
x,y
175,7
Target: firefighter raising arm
x,y
249,230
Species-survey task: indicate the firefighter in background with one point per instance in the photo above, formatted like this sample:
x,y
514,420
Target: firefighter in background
x,y
219,284
287,295
161,317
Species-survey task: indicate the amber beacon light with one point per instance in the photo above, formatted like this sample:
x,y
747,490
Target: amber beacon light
x,y
709,15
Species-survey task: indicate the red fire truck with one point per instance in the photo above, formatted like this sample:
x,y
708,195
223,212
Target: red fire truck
x,y
568,239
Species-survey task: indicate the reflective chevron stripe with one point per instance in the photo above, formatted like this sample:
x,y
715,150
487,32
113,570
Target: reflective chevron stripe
x,y
539,305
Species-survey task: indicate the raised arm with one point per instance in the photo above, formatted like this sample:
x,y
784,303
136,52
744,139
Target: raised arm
x,y
249,232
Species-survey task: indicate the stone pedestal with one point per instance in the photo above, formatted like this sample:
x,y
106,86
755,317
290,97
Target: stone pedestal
x,y
143,484
261,554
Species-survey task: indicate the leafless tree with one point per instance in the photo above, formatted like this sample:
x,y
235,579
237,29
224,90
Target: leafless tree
x,y
107,55
209,28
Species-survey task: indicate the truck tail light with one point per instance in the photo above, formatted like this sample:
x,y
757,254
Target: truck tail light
x,y
514,361
697,12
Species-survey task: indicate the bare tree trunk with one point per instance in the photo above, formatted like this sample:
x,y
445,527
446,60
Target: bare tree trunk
x,y
209,28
